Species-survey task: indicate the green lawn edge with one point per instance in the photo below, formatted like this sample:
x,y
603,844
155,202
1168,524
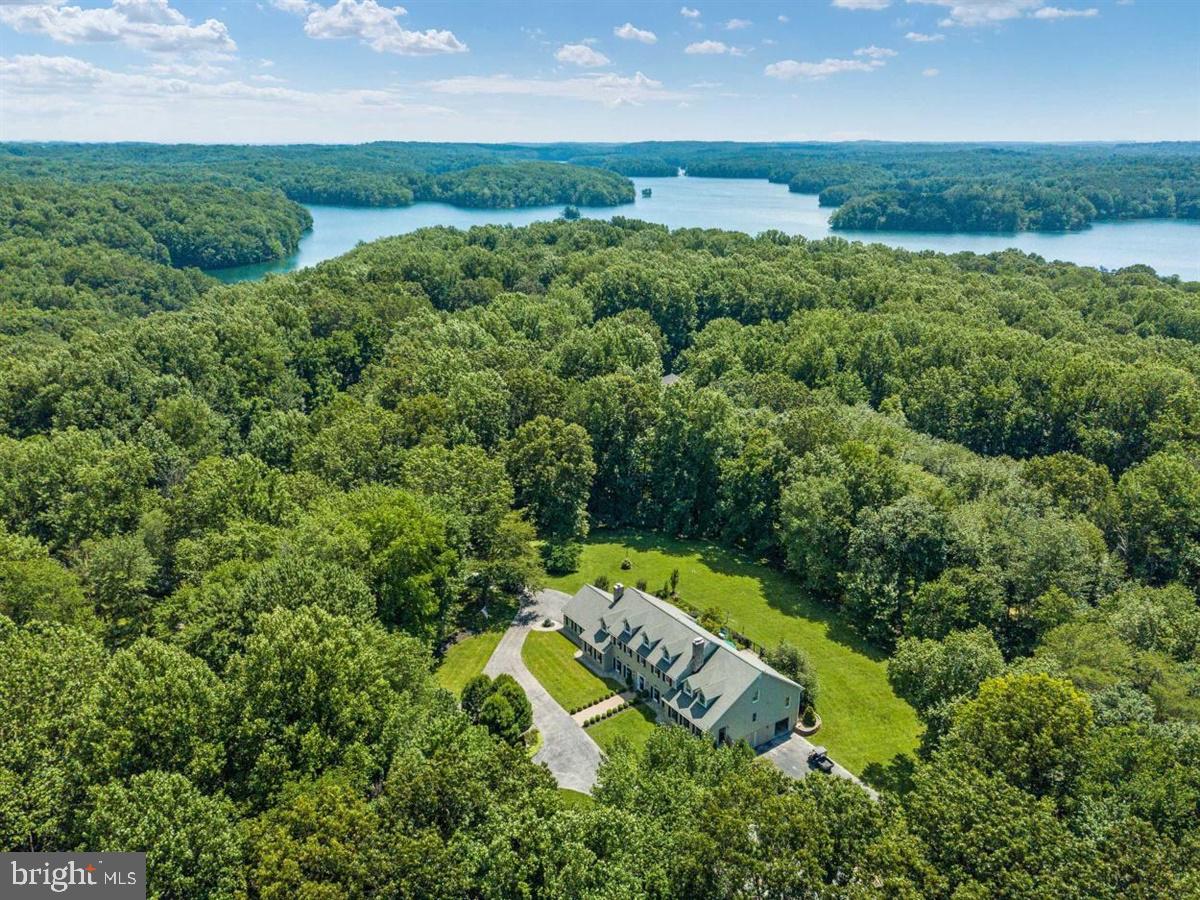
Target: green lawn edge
x,y
465,659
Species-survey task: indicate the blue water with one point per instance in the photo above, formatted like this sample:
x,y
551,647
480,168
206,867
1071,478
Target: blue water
x,y
1169,246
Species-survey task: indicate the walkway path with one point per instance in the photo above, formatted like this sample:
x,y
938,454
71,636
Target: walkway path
x,y
567,751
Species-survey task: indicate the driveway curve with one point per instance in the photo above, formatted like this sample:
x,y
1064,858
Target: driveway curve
x,y
571,756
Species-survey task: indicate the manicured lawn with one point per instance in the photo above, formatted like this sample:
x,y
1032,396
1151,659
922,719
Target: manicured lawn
x,y
550,656
466,659
864,722
635,723
575,799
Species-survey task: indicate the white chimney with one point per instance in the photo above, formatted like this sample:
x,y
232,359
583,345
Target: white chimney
x,y
618,590
698,645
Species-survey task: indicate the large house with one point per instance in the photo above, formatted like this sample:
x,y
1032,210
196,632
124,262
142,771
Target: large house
x,y
691,677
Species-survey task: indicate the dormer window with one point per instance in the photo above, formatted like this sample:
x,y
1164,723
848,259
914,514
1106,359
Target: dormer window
x,y
700,697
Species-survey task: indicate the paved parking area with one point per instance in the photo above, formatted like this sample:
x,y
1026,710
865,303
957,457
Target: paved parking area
x,y
790,755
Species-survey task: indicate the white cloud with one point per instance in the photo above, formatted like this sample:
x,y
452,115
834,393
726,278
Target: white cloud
x,y
783,19
70,81
862,4
737,24
378,27
974,13
202,71
689,13
790,68
874,52
919,38
706,48
296,7
581,55
628,32
930,73
1054,12
150,25
703,85
609,89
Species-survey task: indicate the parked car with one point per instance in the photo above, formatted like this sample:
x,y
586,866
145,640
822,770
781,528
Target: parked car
x,y
818,758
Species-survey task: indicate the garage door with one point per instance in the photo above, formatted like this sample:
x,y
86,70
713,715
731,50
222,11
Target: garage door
x,y
781,727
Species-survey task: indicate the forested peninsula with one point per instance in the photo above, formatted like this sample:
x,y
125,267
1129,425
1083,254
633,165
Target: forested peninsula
x,y
953,187
239,526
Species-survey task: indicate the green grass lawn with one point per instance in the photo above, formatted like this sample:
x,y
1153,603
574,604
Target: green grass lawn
x,y
466,659
635,723
575,799
863,720
550,656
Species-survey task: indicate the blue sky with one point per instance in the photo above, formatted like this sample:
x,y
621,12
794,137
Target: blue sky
x,y
357,70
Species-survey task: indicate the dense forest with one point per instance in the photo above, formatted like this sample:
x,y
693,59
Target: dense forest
x,y
180,225
364,175
238,525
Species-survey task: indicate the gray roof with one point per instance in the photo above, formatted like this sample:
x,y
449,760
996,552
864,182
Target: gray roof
x,y
663,634
670,379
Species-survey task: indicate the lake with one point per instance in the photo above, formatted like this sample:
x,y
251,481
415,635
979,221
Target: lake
x,y
1169,246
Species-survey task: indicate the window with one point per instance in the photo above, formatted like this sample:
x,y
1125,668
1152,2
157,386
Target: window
x,y
754,699
753,717
787,701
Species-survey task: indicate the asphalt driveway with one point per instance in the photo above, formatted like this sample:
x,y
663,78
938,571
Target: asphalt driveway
x,y
790,756
567,751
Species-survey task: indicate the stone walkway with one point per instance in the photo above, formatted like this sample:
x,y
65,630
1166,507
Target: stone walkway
x,y
604,706
567,751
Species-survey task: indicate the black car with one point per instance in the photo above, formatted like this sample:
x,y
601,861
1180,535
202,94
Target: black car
x,y
818,758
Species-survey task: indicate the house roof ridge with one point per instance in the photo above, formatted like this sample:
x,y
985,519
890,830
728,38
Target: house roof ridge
x,y
683,618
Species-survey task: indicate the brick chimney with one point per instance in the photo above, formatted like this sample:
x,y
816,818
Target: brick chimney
x,y
698,647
